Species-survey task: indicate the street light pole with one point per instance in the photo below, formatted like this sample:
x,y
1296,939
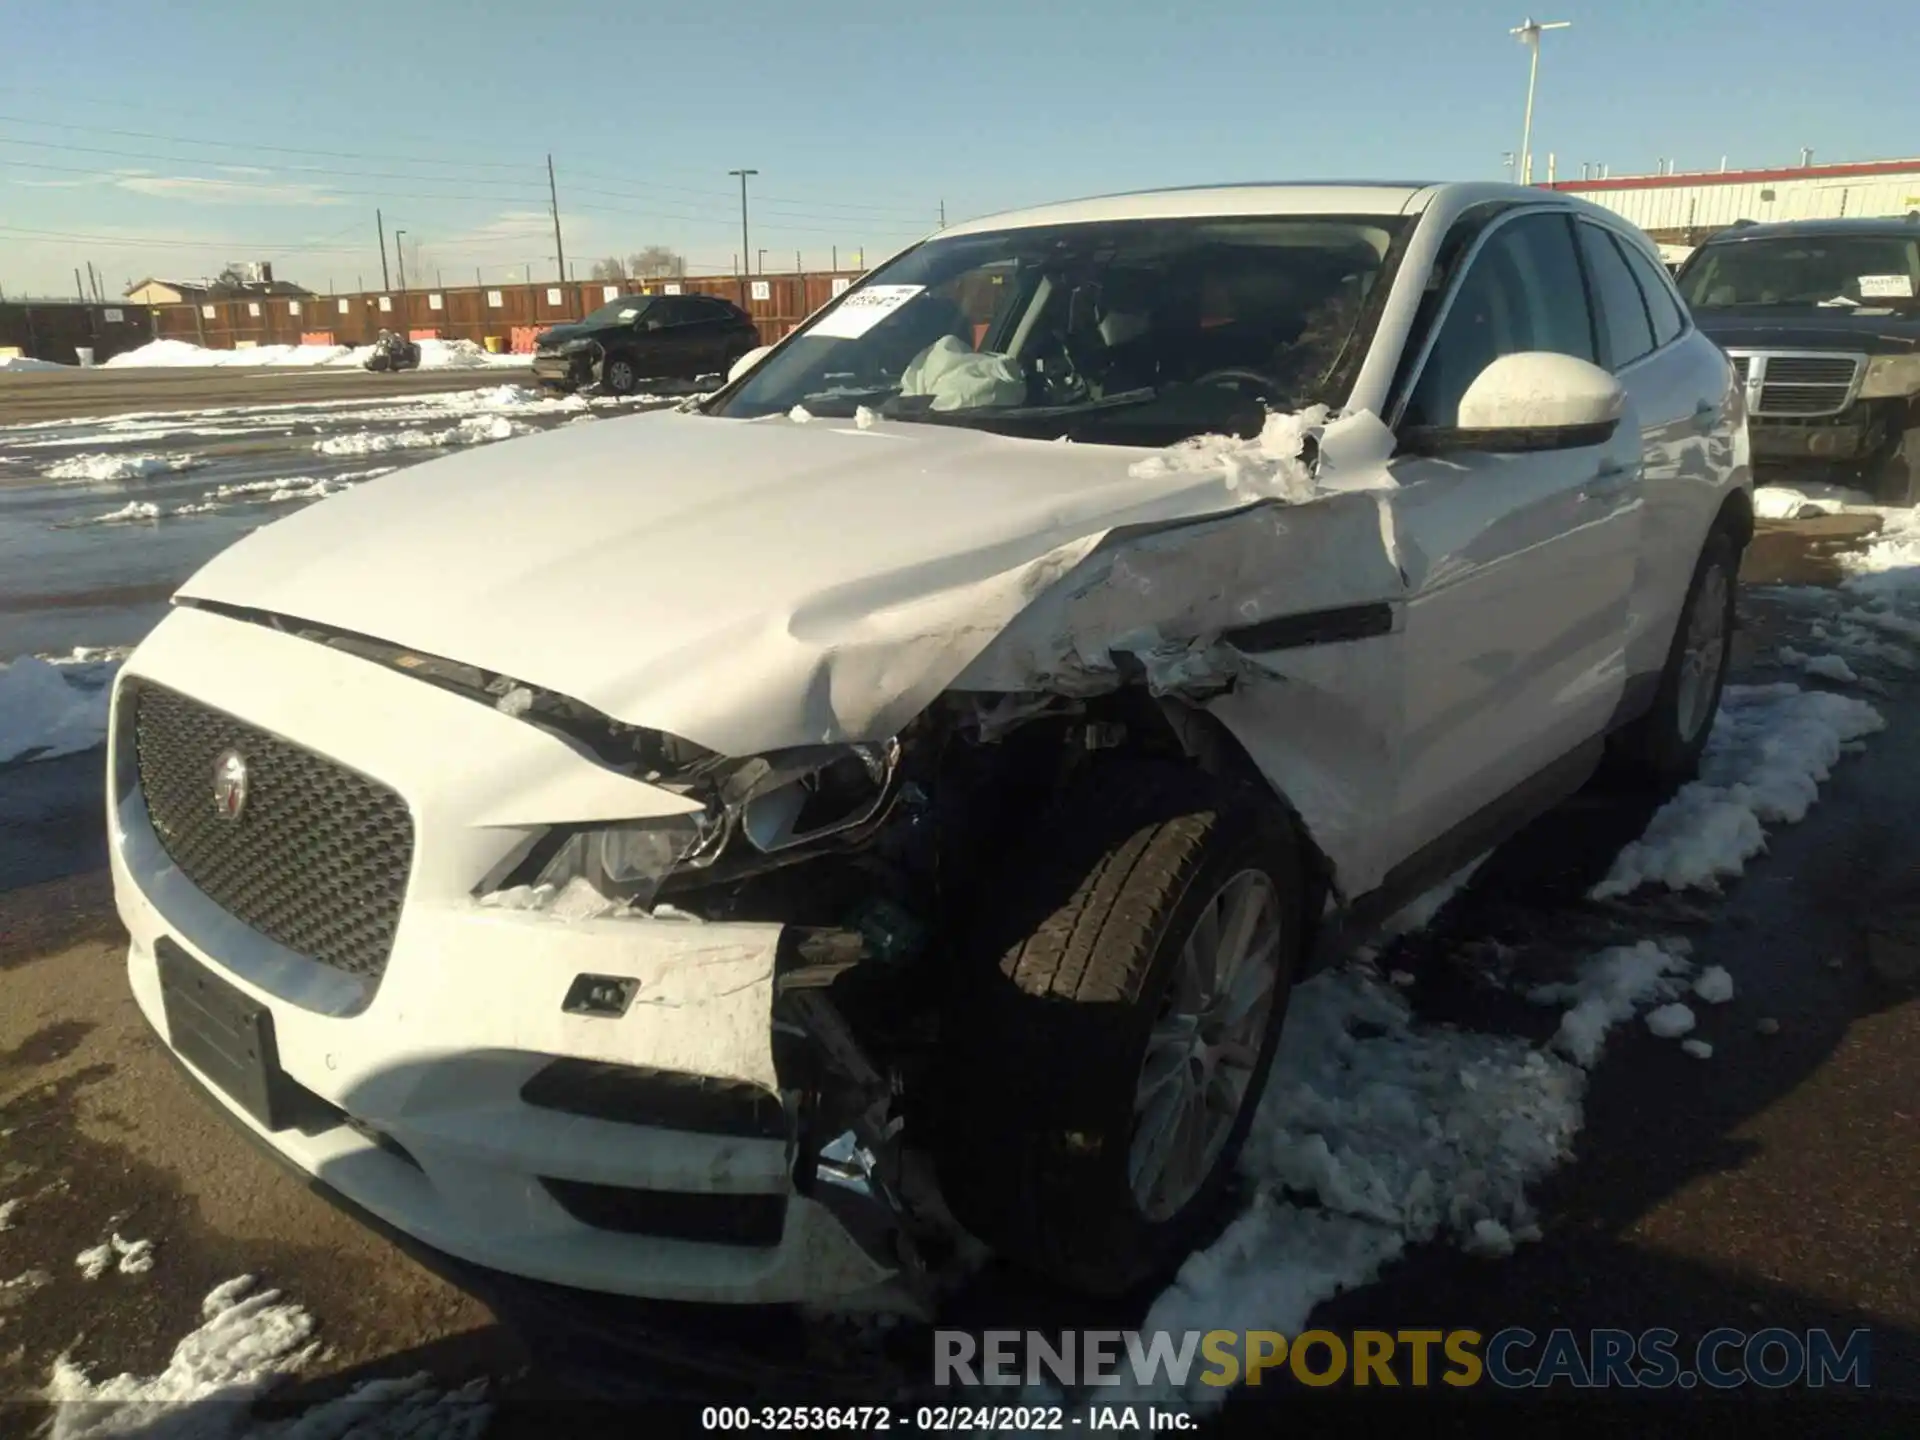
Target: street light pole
x,y
746,255
1528,31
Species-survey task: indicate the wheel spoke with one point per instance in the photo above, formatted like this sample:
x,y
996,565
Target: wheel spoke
x,y
1153,1142
1166,1063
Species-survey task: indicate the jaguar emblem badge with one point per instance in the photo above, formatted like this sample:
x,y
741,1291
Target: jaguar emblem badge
x,y
230,785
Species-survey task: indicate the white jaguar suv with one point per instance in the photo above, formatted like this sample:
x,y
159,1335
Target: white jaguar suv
x,y
741,853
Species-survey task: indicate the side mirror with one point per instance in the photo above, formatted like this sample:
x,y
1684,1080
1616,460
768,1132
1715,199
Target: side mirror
x,y
1535,400
747,361
649,322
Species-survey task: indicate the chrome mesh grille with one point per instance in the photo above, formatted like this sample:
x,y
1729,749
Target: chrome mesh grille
x,y
318,857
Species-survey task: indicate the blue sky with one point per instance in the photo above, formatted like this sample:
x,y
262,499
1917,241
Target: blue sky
x,y
860,117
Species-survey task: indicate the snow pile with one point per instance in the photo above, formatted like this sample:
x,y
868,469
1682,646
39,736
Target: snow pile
x,y
474,430
245,1344
1610,987
178,354
1269,466
1805,499
1670,1021
1771,747
1889,568
1402,1133
44,714
103,467
9,1209
1714,985
21,362
184,354
135,1257
132,510
1826,667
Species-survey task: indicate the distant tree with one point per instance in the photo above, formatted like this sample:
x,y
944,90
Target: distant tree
x,y
231,280
610,268
655,261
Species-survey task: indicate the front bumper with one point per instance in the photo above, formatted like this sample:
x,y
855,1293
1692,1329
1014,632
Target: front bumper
x,y
571,369
1860,435
420,1118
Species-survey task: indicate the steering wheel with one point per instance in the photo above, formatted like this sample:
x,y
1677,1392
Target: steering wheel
x,y
1238,377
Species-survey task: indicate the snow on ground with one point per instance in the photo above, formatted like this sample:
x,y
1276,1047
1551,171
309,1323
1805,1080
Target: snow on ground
x,y
1825,667
1607,991
249,1340
9,1209
1802,499
474,430
1670,1021
1714,985
135,1257
45,712
21,362
179,354
1887,569
103,467
1771,747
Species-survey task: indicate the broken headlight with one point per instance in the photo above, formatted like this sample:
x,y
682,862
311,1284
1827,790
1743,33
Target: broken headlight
x,y
629,862
798,796
1891,375
776,802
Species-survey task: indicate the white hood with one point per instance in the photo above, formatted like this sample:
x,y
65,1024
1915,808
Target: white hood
x,y
747,585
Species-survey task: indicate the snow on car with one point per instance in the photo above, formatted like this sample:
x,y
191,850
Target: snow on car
x,y
716,857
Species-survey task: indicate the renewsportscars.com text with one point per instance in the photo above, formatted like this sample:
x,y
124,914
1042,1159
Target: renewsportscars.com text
x,y
1514,1358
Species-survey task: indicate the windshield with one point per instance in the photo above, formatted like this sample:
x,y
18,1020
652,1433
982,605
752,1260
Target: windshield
x,y
624,311
1811,270
1140,331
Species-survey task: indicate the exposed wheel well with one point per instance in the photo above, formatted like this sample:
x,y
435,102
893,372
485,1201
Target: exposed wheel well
x,y
1736,517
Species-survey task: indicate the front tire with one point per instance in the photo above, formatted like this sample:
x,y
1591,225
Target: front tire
x,y
621,375
1898,481
1663,747
1115,1021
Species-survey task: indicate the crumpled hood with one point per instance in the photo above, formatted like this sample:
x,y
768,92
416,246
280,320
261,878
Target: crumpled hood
x,y
560,334
745,584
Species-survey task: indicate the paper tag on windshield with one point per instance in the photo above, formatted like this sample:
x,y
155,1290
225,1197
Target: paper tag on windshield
x,y
1886,287
863,309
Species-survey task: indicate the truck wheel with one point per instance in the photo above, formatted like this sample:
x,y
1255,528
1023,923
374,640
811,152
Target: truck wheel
x,y
1663,747
620,375
1898,482
1115,1018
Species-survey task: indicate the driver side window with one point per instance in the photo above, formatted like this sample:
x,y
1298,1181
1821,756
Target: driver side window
x,y
1522,292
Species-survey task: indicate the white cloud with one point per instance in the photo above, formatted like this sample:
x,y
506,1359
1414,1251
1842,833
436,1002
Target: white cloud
x,y
202,190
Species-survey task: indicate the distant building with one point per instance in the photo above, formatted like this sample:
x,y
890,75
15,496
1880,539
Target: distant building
x,y
233,283
1683,208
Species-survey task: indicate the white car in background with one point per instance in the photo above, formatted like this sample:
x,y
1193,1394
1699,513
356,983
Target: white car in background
x,y
706,856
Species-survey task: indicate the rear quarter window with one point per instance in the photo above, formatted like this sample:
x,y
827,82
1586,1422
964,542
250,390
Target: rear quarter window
x,y
1625,327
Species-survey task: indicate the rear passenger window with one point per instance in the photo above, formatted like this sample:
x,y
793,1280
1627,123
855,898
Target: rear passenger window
x,y
1616,295
1521,292
1662,305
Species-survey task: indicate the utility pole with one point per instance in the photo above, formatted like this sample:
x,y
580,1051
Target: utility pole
x,y
559,249
746,253
380,227
1529,31
79,286
761,268
400,259
943,214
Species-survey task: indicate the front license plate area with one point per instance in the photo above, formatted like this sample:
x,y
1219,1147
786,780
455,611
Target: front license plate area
x,y
225,1035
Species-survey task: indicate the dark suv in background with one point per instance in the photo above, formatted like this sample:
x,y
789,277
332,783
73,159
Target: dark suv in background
x,y
1822,320
644,337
